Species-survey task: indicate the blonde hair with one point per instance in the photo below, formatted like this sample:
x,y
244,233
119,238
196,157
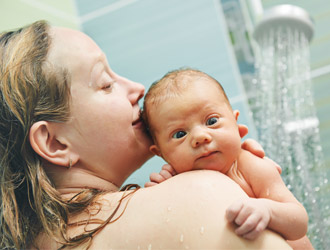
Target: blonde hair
x,y
31,90
173,84
29,93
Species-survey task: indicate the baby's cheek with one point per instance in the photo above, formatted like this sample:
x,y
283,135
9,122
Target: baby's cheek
x,y
179,162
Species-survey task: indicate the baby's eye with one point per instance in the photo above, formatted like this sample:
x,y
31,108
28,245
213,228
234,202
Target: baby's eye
x,y
179,134
212,121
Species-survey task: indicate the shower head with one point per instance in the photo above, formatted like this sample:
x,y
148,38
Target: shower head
x,y
285,16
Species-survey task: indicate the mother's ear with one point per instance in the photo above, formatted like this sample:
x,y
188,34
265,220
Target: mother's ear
x,y
47,142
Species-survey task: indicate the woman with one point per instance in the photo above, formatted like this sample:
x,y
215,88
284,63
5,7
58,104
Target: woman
x,y
70,136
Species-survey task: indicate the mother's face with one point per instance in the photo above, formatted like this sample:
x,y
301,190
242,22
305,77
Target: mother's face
x,y
105,129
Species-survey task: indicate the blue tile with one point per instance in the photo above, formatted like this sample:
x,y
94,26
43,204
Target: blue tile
x,y
86,6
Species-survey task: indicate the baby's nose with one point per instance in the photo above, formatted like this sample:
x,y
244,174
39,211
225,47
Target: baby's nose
x,y
200,137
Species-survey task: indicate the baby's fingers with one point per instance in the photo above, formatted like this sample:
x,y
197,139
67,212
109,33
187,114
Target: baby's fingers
x,y
252,227
169,169
255,232
156,177
254,147
233,211
165,174
150,184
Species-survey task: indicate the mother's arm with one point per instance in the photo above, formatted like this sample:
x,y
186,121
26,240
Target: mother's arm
x,y
187,211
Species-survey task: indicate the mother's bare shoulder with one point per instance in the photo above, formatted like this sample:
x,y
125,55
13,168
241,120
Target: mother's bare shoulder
x,y
187,210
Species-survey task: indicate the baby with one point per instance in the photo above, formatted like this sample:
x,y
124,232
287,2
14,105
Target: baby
x,y
194,127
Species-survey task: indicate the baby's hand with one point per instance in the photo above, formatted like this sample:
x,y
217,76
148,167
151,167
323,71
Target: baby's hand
x,y
156,178
250,215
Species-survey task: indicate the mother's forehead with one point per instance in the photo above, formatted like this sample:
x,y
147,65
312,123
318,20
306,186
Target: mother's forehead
x,y
68,43
71,38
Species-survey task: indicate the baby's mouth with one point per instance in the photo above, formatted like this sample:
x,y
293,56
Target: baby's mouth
x,y
207,154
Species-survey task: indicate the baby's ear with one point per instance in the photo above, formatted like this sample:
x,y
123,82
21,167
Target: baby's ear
x,y
155,150
236,114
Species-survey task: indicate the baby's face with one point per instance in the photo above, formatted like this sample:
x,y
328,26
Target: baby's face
x,y
196,130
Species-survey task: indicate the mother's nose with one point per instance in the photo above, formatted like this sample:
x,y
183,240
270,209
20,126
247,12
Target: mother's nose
x,y
135,91
200,136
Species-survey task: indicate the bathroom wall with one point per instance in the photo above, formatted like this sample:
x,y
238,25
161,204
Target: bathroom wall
x,y
16,13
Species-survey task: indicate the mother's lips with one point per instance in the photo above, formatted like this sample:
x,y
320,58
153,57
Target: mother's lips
x,y
138,120
138,123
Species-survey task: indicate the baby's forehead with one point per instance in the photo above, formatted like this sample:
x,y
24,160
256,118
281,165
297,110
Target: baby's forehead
x,y
175,90
183,83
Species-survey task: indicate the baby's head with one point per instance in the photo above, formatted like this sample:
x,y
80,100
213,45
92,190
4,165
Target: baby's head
x,y
171,86
189,116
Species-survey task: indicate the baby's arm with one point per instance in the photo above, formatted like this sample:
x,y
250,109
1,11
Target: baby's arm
x,y
275,206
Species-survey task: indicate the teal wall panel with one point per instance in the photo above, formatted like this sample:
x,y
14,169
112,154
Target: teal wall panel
x,y
17,13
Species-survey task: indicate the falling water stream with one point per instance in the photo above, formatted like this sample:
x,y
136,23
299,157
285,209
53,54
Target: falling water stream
x,y
287,124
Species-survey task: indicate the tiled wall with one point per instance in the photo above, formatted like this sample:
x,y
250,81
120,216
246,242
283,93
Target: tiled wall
x,y
17,13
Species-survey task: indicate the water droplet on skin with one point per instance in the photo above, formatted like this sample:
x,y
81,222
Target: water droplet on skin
x,y
181,238
202,230
267,192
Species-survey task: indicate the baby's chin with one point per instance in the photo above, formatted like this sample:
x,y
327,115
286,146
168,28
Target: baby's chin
x,y
214,161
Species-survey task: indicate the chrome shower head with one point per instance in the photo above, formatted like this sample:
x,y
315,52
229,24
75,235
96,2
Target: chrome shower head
x,y
285,16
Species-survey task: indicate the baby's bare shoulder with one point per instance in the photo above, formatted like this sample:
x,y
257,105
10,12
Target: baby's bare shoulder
x,y
250,164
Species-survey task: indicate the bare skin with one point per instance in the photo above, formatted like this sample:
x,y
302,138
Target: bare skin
x,y
104,124
187,195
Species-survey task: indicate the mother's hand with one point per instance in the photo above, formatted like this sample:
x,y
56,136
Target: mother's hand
x,y
254,147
